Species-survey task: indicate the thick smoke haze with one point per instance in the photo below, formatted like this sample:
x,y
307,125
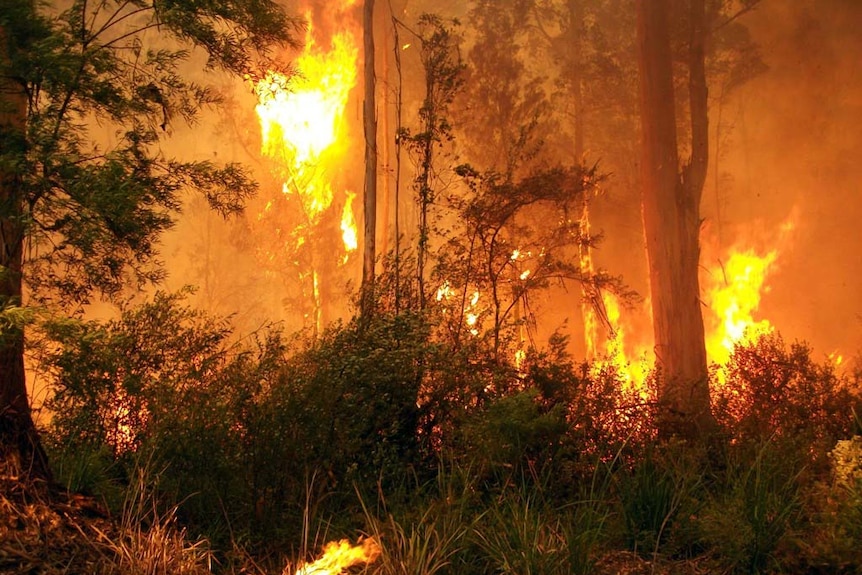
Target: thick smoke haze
x,y
785,149
792,151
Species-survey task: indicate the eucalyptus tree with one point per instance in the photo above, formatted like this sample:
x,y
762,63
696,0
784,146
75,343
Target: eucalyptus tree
x,y
504,109
81,213
673,177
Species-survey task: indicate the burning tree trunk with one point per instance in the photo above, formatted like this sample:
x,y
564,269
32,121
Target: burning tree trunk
x,y
370,125
671,213
591,297
18,438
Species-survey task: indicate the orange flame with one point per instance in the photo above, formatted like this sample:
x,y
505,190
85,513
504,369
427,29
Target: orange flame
x,y
630,361
733,289
734,299
339,556
470,308
348,225
302,118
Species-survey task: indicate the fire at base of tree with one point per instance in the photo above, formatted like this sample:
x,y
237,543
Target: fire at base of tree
x,y
516,385
442,456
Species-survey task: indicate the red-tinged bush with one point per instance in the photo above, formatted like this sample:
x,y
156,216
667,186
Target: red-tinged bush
x,y
780,392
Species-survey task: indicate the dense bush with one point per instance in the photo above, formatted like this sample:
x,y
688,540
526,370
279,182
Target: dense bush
x,y
264,445
161,385
780,393
250,438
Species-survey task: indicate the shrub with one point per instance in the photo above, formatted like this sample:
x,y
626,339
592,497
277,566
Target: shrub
x,y
831,541
660,496
779,393
514,434
753,508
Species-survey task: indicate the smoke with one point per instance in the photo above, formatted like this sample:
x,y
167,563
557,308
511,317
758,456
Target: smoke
x,y
793,141
784,147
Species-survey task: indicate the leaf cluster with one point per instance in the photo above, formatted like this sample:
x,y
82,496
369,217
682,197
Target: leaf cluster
x,y
93,206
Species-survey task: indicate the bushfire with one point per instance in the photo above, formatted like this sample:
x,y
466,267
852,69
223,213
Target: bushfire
x,y
304,132
302,123
338,556
732,290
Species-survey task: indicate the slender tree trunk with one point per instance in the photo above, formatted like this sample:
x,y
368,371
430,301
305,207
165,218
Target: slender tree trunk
x,y
590,295
424,182
19,442
370,123
398,145
384,200
576,25
671,205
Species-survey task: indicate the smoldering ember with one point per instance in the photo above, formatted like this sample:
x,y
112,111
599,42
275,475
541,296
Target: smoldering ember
x,y
458,287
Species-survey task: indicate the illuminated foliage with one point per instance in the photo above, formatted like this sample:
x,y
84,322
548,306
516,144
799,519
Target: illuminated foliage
x,y
775,390
517,238
86,100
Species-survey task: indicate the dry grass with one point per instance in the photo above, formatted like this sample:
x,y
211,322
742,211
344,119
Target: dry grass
x,y
630,563
47,531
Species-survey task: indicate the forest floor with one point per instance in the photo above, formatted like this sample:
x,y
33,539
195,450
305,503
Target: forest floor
x,y
46,531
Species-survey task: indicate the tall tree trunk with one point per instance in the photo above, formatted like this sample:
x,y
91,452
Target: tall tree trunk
x,y
384,200
590,295
370,123
671,206
398,145
19,442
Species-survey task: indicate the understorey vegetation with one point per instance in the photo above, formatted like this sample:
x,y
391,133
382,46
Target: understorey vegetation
x,y
435,426
243,456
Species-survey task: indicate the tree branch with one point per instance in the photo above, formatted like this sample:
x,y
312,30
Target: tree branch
x,y
740,13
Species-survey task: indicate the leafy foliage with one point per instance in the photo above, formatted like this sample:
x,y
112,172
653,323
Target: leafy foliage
x,y
780,392
94,207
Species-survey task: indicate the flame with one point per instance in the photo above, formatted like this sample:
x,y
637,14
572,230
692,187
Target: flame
x,y
470,308
338,556
734,299
304,131
631,362
348,225
302,118
445,291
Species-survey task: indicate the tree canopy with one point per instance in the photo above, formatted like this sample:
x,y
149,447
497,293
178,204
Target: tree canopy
x,y
89,93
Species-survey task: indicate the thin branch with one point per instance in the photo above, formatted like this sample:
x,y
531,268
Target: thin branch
x,y
130,33
730,19
110,22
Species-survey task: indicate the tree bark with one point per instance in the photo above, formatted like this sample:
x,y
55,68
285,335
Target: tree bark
x,y
19,441
671,206
370,125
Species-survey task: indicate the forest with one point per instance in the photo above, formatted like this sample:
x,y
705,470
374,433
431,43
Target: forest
x,y
513,287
